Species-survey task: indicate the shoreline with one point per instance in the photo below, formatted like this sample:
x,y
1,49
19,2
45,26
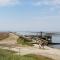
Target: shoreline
x,y
54,46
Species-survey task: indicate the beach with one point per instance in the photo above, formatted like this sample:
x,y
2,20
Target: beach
x,y
10,44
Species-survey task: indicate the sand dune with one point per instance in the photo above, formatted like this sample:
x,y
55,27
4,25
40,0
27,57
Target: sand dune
x,y
10,40
48,52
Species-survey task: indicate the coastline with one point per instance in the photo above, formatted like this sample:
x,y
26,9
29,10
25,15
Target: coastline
x,y
10,44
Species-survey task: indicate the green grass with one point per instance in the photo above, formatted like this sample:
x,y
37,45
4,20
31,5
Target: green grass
x,y
24,41
10,55
34,57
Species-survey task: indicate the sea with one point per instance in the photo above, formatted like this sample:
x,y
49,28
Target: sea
x,y
56,39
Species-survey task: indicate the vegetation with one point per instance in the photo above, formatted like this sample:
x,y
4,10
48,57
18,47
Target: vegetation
x,y
24,41
9,55
4,35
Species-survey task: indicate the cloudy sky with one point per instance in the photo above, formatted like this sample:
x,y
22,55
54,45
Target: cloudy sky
x,y
29,15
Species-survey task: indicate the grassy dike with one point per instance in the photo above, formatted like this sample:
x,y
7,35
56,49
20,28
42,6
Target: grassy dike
x,y
10,55
24,41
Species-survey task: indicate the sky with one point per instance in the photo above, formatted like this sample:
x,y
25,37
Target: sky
x,y
30,15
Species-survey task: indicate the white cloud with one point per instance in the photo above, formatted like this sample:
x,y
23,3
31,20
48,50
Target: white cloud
x,y
37,4
56,1
46,2
8,2
51,5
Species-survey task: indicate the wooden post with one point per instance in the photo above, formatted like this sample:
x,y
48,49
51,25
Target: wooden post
x,y
41,34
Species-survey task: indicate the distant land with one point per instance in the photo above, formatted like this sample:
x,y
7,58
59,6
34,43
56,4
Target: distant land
x,y
47,32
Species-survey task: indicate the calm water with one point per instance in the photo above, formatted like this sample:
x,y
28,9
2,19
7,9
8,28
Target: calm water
x,y
56,39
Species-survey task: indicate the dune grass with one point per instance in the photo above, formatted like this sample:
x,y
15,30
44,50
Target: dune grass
x,y
24,41
10,55
35,57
